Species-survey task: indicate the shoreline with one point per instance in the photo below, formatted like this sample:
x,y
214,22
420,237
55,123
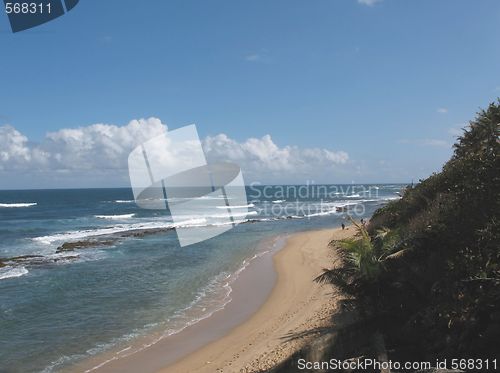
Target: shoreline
x,y
154,347
273,333
272,299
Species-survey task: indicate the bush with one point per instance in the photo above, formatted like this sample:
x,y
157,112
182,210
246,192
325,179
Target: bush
x,y
438,281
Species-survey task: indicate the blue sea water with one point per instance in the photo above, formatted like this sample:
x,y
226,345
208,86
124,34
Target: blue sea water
x,y
59,308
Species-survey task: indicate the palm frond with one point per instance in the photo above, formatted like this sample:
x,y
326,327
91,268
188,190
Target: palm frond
x,y
337,277
398,254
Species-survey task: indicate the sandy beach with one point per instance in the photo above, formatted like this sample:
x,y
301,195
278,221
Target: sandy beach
x,y
296,304
274,299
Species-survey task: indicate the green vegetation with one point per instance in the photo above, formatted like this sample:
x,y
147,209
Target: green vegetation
x,y
425,273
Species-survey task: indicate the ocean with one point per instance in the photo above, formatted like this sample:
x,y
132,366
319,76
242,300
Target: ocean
x,y
84,271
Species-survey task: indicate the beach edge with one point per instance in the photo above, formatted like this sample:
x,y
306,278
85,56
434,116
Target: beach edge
x,y
296,304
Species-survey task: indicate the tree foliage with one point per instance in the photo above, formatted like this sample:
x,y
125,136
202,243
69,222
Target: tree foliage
x,y
427,270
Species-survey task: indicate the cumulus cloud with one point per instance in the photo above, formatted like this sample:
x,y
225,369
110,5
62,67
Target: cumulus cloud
x,y
263,156
99,146
13,147
104,149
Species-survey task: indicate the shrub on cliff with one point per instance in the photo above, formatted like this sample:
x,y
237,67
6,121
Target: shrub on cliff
x,y
440,297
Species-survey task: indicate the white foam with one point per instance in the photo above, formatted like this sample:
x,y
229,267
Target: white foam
x,y
279,201
11,272
237,207
242,214
124,216
124,201
321,213
391,198
13,205
353,196
369,200
75,235
220,287
211,197
175,199
189,222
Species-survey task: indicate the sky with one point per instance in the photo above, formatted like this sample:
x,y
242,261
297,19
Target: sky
x,y
325,91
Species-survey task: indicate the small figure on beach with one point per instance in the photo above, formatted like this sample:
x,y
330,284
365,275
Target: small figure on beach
x,y
343,226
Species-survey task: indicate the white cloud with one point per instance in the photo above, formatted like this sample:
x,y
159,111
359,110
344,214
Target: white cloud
x,y
99,146
435,142
103,149
369,2
442,110
427,142
13,146
253,57
260,56
262,157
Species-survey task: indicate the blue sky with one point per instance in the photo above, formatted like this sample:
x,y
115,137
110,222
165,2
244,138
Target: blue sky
x,y
388,82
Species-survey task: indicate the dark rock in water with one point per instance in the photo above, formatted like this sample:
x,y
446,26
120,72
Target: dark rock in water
x,y
66,258
71,246
31,260
23,258
108,240
143,232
